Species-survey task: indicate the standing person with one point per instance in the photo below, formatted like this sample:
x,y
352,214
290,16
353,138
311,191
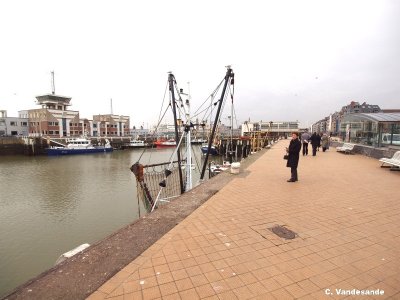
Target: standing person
x,y
314,142
324,142
293,160
305,137
319,136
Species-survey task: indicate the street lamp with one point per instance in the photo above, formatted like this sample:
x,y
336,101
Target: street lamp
x,y
270,127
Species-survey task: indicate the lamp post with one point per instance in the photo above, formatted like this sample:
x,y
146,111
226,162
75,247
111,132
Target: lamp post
x,y
270,127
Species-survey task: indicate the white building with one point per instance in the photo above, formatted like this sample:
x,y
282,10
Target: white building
x,y
276,128
13,126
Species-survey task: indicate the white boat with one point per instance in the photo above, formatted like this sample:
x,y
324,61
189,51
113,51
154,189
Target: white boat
x,y
198,141
135,144
79,146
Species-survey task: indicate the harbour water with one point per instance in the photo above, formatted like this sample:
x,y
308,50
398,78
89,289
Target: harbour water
x,y
50,205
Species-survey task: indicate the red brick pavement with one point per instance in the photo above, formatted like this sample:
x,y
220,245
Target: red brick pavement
x,y
345,210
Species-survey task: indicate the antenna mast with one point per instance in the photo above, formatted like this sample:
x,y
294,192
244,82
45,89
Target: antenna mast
x,y
53,87
111,106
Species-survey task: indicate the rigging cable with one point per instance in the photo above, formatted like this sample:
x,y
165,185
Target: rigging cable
x,y
159,120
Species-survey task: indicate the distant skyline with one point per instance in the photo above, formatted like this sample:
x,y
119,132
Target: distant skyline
x,y
293,60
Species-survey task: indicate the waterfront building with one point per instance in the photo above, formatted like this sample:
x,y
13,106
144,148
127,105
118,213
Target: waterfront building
x,y
110,125
332,123
53,119
13,126
225,131
355,107
141,132
274,128
373,129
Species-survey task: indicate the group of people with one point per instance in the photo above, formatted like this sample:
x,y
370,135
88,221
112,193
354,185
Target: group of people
x,y
316,140
294,149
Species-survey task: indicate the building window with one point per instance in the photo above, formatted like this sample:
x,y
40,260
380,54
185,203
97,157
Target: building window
x,y
12,123
24,123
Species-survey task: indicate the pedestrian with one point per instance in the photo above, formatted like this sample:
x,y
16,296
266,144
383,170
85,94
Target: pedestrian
x,y
324,142
319,136
305,137
314,142
293,159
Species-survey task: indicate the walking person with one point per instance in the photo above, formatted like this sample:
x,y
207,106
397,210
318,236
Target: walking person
x,y
324,142
314,142
305,137
293,159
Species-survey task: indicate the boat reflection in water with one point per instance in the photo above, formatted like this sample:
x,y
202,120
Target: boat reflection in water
x,y
79,146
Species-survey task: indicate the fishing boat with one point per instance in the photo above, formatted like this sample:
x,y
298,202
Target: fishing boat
x,y
79,146
165,143
135,144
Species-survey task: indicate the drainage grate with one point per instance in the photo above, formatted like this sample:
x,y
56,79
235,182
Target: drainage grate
x,y
283,232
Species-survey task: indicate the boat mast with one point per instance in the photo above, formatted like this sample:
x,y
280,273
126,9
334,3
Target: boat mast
x,y
188,142
228,75
171,80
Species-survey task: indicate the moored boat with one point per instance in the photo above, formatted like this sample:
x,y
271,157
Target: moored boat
x,y
165,143
79,146
198,141
135,144
213,150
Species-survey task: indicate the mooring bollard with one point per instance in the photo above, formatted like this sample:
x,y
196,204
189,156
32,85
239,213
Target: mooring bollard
x,y
235,168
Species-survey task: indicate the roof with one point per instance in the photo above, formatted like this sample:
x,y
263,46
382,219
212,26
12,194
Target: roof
x,y
374,117
52,98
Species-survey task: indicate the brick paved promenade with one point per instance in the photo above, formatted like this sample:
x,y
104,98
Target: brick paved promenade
x,y
345,210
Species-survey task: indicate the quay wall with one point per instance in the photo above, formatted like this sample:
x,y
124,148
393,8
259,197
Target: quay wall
x,y
22,145
37,145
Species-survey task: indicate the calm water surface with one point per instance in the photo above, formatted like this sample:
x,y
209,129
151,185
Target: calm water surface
x,y
50,205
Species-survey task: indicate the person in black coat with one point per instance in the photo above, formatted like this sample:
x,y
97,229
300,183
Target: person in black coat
x,y
293,160
315,142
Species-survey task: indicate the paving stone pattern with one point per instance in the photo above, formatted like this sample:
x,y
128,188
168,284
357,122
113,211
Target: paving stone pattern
x,y
345,211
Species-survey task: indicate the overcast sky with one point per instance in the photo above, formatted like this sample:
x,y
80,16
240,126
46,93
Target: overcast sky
x,y
293,60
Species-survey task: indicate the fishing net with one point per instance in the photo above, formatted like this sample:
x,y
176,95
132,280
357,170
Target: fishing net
x,y
158,180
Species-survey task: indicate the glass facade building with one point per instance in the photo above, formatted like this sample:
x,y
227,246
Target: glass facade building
x,y
373,129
